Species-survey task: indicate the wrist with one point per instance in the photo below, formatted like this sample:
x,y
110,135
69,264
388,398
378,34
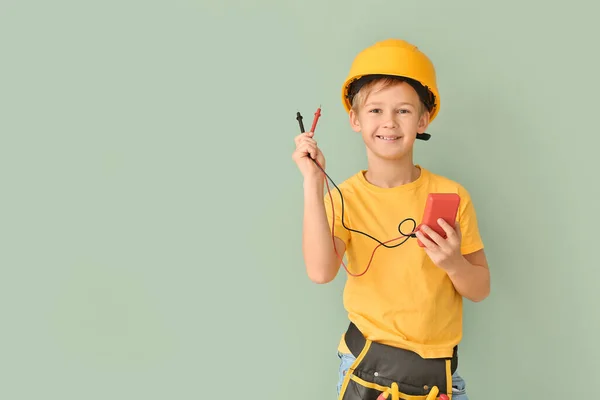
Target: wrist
x,y
457,268
314,182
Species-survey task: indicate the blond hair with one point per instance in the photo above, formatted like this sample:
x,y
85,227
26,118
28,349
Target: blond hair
x,y
380,83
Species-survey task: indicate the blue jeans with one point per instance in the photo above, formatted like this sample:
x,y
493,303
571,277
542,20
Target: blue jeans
x,y
458,384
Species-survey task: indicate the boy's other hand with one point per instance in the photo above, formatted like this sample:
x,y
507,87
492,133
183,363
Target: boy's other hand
x,y
445,253
306,148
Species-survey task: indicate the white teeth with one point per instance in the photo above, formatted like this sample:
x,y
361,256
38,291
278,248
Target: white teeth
x,y
388,137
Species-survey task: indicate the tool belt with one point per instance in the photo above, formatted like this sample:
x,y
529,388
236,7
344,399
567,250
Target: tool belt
x,y
386,372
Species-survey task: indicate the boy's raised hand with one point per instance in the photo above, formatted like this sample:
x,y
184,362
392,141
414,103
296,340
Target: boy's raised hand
x,y
445,253
306,148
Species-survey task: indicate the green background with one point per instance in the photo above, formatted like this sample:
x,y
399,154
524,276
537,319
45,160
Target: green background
x,y
151,212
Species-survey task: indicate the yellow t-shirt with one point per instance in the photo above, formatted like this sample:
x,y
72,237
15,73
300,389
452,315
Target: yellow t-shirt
x,y
403,300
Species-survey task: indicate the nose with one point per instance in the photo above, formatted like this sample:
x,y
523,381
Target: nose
x,y
390,121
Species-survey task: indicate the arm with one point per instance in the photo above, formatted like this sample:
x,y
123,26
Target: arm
x,y
471,276
322,262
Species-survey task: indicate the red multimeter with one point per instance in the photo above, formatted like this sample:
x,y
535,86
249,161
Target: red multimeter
x,y
439,205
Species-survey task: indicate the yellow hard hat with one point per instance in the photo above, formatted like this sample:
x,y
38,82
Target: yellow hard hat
x,y
394,57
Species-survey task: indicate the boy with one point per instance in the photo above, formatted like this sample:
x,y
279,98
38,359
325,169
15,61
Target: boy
x,y
406,309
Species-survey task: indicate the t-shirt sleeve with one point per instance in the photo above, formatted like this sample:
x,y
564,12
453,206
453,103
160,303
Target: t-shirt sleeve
x,y
471,238
334,217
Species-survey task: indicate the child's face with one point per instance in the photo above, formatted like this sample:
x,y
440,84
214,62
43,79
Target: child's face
x,y
389,121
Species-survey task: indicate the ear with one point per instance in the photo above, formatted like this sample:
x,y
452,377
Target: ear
x,y
423,122
354,122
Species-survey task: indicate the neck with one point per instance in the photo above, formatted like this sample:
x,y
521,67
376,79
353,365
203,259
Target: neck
x,y
391,173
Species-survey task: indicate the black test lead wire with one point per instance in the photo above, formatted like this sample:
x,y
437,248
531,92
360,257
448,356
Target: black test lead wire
x,y
384,244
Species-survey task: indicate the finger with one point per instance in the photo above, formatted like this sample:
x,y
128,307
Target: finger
x,y
304,148
435,237
320,158
302,136
430,245
453,234
458,230
320,155
307,140
308,148
450,232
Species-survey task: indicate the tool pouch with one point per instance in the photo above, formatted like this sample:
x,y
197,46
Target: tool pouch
x,y
385,372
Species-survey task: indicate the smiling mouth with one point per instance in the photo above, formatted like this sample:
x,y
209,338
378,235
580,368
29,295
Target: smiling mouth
x,y
388,138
